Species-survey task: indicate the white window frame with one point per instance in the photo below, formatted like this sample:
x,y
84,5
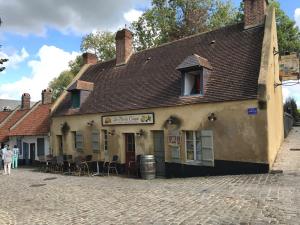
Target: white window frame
x,y
189,78
195,147
203,160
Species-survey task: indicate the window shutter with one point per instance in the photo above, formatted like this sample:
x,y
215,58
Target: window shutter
x,y
95,140
79,140
207,147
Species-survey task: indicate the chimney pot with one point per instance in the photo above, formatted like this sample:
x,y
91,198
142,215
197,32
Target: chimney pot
x,y
123,46
89,58
25,101
255,11
47,96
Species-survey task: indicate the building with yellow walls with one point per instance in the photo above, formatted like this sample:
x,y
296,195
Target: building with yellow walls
x,y
204,104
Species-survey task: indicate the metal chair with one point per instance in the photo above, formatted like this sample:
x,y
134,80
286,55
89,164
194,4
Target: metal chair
x,y
81,166
113,165
59,167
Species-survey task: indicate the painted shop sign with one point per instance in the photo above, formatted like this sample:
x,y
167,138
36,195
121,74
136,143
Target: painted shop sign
x,y
128,119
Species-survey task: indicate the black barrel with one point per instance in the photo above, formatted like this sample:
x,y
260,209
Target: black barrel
x,y
147,167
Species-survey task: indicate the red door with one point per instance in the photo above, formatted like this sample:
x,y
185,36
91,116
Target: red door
x,y
129,148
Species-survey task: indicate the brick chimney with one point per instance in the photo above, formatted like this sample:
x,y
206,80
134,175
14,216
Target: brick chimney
x,y
255,11
123,46
89,58
47,96
25,104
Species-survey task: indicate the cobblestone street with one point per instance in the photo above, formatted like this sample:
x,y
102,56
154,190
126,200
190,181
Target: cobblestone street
x,y
30,197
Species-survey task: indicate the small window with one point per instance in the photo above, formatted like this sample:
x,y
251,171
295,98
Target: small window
x,y
199,147
75,99
78,140
95,141
193,83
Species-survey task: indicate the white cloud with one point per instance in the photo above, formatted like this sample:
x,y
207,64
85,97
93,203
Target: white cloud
x,y
51,62
133,15
14,59
34,16
297,17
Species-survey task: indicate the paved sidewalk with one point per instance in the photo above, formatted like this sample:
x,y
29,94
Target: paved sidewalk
x,y
29,197
289,160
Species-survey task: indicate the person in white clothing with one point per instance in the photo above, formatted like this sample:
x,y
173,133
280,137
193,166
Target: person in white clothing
x,y
8,155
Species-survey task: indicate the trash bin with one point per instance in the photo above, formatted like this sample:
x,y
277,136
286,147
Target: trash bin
x,y
147,167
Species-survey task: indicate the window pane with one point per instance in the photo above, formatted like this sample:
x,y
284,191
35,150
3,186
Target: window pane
x,y
190,155
75,99
198,150
190,150
189,135
198,135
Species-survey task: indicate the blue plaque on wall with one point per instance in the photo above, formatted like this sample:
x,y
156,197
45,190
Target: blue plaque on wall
x,y
252,111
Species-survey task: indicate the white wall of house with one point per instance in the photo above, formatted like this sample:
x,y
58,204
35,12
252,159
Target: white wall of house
x,y
31,140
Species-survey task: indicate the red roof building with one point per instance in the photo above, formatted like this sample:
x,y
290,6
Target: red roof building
x,y
28,127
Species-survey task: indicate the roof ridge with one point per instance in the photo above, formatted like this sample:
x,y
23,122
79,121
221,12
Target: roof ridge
x,y
9,116
24,116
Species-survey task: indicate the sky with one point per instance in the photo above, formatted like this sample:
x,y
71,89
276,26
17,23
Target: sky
x,y
41,37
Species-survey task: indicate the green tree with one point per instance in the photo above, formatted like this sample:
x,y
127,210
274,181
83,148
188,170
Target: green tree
x,y
287,32
59,84
222,14
2,60
100,43
290,106
168,20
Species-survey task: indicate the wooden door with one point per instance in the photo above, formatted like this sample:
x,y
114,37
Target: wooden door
x,y
159,152
32,153
40,147
60,144
129,148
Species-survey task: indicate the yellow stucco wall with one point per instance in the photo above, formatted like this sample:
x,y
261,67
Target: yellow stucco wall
x,y
237,135
268,91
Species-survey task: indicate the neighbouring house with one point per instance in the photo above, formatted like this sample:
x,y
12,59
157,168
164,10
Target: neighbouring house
x,y
10,105
204,104
28,127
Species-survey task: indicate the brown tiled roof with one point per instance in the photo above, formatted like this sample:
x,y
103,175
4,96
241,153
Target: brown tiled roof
x,y
15,117
150,78
37,122
3,115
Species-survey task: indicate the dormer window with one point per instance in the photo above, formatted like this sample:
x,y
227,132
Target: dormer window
x,y
193,83
75,96
80,90
195,71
